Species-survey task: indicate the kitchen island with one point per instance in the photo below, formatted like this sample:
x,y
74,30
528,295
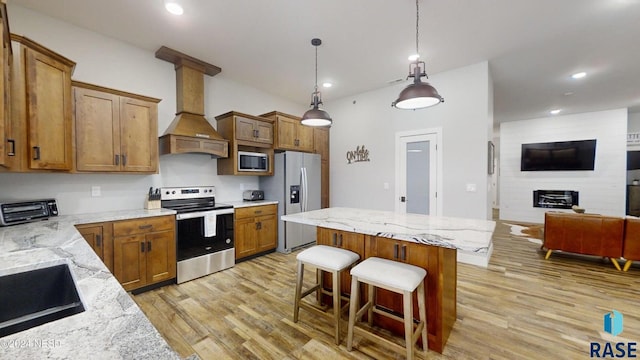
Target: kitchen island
x,y
430,242
112,325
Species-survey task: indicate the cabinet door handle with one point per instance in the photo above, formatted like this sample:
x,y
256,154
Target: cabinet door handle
x,y
142,227
148,246
395,251
12,152
335,237
142,246
116,159
340,243
98,240
258,212
36,153
124,160
404,253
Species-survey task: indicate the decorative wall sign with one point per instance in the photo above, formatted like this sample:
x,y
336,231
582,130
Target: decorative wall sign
x,y
360,154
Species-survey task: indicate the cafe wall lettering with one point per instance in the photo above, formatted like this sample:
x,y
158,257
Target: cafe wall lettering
x,y
358,155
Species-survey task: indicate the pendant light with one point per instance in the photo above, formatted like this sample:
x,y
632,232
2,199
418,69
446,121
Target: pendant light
x,y
316,116
420,94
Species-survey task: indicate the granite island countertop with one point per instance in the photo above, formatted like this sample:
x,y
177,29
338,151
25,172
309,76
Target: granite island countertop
x,y
112,325
468,235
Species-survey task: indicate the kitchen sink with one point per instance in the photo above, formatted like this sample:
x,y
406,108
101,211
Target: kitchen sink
x,y
36,297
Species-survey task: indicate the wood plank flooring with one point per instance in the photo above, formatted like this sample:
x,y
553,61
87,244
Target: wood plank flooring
x,y
520,307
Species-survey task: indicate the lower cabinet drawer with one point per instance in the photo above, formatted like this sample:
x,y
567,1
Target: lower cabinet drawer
x,y
144,225
259,210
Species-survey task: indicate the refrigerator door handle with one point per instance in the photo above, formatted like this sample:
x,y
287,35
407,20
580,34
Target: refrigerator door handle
x,y
304,188
301,193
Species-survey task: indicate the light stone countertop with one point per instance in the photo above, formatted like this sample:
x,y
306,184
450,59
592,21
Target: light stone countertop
x,y
112,325
469,235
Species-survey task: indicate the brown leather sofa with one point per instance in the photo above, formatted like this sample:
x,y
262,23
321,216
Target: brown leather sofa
x,y
631,247
588,234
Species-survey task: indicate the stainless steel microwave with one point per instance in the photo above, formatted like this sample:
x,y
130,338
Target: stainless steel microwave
x,y
252,161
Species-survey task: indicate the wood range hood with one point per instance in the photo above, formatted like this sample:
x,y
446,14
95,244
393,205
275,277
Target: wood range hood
x,y
190,132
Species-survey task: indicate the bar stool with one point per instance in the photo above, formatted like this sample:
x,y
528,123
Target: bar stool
x,y
393,276
329,259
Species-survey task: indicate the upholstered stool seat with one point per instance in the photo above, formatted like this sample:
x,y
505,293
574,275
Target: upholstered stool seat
x,y
393,276
324,258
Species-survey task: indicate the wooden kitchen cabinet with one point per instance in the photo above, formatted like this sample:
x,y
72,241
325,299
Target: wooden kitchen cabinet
x,y
116,131
144,251
245,133
6,147
41,124
256,230
321,146
437,261
345,240
289,133
99,237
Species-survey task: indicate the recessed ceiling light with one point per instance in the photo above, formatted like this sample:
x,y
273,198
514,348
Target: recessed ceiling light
x,y
327,84
579,75
174,7
414,57
568,93
555,111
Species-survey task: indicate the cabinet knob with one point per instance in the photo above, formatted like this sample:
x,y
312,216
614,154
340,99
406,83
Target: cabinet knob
x,y
148,246
116,159
98,240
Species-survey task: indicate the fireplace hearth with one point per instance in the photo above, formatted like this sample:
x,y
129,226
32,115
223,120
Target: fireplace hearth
x,y
556,199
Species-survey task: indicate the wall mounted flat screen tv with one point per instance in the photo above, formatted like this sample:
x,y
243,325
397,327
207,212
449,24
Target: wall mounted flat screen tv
x,y
633,160
559,156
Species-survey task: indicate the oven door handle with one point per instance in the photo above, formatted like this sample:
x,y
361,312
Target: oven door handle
x,y
198,214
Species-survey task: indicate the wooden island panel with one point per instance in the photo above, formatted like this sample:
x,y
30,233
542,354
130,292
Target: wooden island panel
x,y
440,283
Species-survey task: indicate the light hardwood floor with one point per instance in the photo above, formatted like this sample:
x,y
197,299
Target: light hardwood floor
x,y
521,307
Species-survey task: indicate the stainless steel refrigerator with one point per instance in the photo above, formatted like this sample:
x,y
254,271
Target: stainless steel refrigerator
x,y
296,185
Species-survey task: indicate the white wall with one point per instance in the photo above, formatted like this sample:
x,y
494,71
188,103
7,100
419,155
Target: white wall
x,y
601,191
368,119
108,62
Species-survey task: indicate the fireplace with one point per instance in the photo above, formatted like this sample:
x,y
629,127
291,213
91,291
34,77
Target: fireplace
x,y
556,199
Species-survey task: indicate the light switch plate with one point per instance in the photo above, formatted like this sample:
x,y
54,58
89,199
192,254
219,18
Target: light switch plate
x,y
95,191
471,187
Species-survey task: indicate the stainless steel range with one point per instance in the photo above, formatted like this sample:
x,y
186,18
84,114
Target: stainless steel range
x,y
204,231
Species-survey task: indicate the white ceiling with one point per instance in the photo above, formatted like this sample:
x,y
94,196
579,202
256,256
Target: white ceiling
x,y
533,46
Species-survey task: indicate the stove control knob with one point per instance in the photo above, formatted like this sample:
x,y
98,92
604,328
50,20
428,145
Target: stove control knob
x,y
173,192
167,192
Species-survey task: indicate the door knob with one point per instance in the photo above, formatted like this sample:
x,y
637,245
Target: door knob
x,y
403,199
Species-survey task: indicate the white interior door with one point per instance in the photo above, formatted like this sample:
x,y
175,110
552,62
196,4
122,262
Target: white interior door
x,y
417,172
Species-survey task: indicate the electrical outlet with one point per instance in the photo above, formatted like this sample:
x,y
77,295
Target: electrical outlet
x,y
385,186
95,191
471,187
